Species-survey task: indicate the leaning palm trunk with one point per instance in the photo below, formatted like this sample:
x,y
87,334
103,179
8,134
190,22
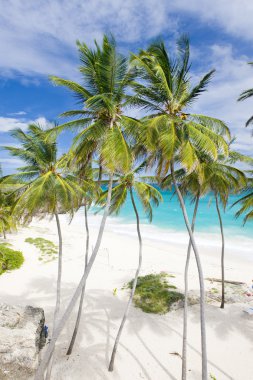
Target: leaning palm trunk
x,y
184,350
222,255
58,291
111,365
72,342
60,325
200,272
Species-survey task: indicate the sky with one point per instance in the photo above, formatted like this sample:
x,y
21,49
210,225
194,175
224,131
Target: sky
x,y
38,39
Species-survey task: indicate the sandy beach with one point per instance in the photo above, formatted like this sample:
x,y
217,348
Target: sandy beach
x,y
149,342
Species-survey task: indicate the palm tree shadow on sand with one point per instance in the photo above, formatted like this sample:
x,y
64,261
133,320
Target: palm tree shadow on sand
x,y
102,313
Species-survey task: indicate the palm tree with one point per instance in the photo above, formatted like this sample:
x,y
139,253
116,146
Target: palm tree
x,y
66,314
147,194
189,184
246,201
8,221
223,179
86,178
44,188
245,95
104,132
106,77
171,132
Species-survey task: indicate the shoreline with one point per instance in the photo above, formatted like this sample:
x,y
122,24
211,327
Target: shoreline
x,y
148,340
233,242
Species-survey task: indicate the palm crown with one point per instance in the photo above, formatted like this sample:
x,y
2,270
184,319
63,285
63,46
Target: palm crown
x,y
219,177
43,185
246,202
165,90
104,127
147,194
245,95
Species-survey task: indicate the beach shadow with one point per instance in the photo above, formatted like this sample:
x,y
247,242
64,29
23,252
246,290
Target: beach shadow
x,y
106,314
224,321
101,317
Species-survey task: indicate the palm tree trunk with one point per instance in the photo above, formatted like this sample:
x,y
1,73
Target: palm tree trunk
x,y
222,255
60,325
184,350
111,365
58,291
200,273
4,233
100,172
72,342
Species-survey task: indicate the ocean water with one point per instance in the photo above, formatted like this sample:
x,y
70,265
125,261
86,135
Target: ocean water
x,y
168,215
168,224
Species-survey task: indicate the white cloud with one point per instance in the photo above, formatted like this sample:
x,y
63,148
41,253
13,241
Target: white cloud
x,y
11,161
39,37
20,113
9,123
7,163
233,76
233,16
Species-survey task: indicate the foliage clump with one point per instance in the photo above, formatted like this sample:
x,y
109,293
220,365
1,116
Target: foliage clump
x,y
154,294
48,250
9,258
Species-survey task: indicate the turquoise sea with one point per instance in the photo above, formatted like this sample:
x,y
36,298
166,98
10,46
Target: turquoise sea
x,y
168,215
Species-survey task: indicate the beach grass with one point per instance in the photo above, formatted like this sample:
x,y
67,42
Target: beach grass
x,y
154,294
48,250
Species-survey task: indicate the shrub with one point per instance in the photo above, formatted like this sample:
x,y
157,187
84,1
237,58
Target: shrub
x,y
48,250
154,294
9,259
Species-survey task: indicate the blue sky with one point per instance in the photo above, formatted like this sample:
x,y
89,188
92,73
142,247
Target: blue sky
x,y
38,39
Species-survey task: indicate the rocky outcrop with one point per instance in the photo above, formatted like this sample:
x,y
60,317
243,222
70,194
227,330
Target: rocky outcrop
x,y
235,292
21,338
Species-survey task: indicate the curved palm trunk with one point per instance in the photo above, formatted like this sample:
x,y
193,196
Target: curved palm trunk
x,y
200,273
184,350
111,365
72,342
60,325
58,291
222,255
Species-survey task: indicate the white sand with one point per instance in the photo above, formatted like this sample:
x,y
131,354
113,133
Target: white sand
x,y
148,340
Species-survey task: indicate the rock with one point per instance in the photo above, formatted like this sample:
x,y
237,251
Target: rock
x,y
21,332
177,305
193,297
235,292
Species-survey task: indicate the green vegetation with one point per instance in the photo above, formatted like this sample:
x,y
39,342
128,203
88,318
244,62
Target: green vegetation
x,y
8,221
48,250
9,259
191,152
154,294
